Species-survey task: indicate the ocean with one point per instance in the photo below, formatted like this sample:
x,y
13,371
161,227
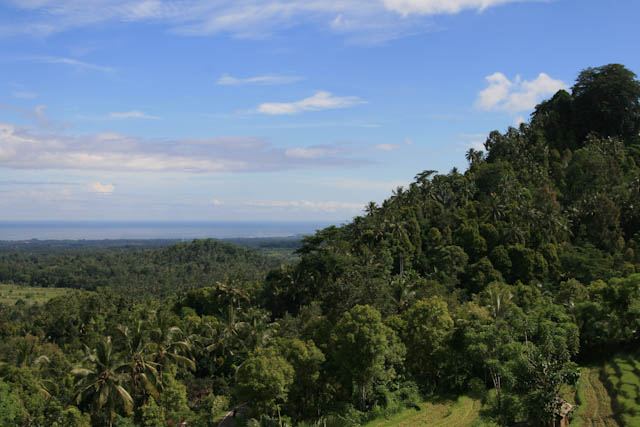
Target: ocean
x,y
93,230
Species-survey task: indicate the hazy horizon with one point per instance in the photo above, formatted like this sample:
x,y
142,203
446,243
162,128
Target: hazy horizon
x,y
134,230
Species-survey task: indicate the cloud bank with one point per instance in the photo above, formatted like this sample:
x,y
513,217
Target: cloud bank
x,y
306,205
241,18
23,149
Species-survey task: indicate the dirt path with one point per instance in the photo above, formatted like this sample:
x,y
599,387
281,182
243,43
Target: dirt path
x,y
598,411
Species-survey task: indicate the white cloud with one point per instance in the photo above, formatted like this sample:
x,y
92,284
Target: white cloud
x,y
22,149
437,7
132,115
473,140
306,205
24,95
497,91
364,20
98,187
227,80
387,147
517,95
477,144
68,61
319,101
310,152
216,202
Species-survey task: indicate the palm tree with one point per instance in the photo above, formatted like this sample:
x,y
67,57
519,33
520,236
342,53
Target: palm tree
x,y
403,291
138,362
101,384
371,208
474,156
169,346
400,237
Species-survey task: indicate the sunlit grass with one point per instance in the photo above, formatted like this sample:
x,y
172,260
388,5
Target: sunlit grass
x,y
10,294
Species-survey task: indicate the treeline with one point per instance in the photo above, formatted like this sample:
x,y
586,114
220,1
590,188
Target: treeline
x,y
130,266
496,282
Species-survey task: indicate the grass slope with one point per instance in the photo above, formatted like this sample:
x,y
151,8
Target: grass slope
x,y
594,402
622,376
446,413
9,294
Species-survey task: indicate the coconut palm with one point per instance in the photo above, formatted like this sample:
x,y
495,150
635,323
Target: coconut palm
x,y
138,362
169,345
101,384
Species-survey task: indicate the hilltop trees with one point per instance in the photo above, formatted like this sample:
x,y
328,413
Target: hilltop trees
x,y
606,101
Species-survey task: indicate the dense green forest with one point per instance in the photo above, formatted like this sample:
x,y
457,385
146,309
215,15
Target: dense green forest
x,y
139,268
498,282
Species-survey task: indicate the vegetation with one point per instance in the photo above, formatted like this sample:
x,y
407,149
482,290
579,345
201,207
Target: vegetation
x,y
12,294
594,401
623,379
495,282
451,413
130,266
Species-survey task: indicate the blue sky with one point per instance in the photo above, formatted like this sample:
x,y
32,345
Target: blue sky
x,y
271,109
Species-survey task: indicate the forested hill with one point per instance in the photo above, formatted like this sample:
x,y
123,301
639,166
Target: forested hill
x,y
132,269
549,206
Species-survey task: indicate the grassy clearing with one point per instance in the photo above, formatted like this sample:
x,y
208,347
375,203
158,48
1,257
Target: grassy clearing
x,y
447,413
593,400
9,294
622,376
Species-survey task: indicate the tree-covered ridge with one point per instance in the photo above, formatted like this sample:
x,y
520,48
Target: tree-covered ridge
x,y
496,282
135,270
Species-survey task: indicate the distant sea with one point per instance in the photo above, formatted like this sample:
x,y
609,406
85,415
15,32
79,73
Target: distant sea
x,y
62,230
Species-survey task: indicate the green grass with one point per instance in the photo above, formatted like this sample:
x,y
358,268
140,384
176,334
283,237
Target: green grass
x,y
445,413
623,381
594,403
9,294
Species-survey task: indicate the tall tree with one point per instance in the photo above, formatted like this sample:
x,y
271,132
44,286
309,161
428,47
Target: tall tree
x,y
365,349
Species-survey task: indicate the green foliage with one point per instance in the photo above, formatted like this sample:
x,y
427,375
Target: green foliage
x,y
606,102
365,350
152,415
136,271
10,406
264,380
72,417
426,329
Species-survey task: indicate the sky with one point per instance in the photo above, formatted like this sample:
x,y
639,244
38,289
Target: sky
x,y
271,110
